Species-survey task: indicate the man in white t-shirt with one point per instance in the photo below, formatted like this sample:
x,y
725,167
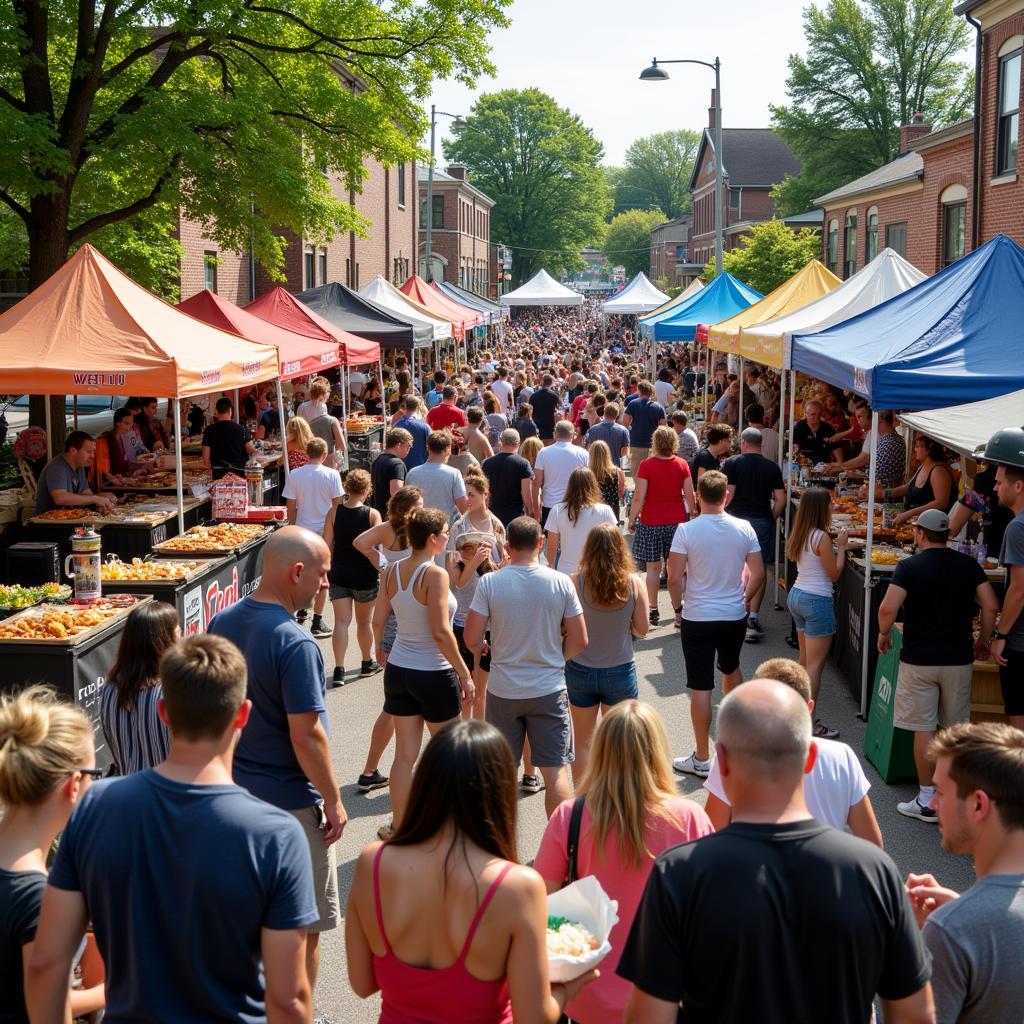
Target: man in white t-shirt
x,y
664,392
553,468
836,788
526,695
309,492
712,552
503,390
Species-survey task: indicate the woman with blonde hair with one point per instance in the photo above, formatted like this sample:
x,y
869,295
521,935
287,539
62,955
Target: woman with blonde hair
x,y
610,478
47,762
530,449
297,436
631,813
615,610
810,598
572,519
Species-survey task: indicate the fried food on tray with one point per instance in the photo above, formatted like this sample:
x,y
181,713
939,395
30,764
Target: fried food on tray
x,y
139,570
54,624
221,537
56,515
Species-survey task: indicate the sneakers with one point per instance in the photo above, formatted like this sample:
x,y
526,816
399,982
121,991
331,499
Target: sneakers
x,y
301,616
691,766
913,809
367,668
755,631
374,780
532,783
823,732
655,618
318,629
338,678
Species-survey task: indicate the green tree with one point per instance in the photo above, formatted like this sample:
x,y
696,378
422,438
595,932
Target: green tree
x,y
627,241
236,110
771,254
542,167
870,66
657,173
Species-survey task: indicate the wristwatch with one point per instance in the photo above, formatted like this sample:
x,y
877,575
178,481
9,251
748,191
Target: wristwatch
x,y
996,635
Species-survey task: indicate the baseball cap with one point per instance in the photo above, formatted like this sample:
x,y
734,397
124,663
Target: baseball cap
x,y
933,519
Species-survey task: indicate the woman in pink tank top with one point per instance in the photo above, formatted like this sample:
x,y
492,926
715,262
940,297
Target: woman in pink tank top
x,y
441,919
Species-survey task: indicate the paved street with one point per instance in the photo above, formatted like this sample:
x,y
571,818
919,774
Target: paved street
x,y
914,845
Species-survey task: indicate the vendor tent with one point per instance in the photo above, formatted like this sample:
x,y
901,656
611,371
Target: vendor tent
x,y
542,290
949,340
492,310
299,354
351,312
462,317
886,276
639,296
691,289
91,329
966,429
387,296
282,308
805,286
724,297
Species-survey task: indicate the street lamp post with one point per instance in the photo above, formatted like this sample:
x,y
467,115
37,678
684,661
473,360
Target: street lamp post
x,y
655,73
458,119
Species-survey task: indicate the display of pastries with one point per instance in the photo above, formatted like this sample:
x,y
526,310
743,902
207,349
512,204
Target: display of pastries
x,y
57,515
140,570
52,623
221,537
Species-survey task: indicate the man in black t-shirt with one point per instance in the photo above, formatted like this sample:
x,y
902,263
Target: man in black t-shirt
x,y
715,448
777,918
939,590
811,434
226,444
510,477
387,474
546,404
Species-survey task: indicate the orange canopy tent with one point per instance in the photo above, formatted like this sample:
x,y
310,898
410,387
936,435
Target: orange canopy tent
x,y
280,307
90,329
462,317
300,355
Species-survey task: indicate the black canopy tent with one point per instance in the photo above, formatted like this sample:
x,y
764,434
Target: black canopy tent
x,y
352,312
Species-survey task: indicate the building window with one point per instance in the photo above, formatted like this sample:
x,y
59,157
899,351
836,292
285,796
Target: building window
x,y
871,242
954,232
850,245
309,267
438,220
210,270
833,246
348,273
896,237
356,285
323,267
401,184
734,201
1009,111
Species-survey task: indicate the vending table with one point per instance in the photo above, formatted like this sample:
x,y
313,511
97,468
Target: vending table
x,y
135,531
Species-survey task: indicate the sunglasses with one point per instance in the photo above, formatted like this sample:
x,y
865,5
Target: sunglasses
x,y
93,773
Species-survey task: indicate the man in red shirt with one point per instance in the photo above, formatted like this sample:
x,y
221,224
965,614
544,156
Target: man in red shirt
x,y
447,414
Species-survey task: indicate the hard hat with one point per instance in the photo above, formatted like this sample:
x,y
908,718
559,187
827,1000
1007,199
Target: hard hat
x,y
1006,447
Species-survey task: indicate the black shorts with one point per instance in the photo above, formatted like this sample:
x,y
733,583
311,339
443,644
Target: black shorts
x,y
1011,682
433,695
467,654
702,641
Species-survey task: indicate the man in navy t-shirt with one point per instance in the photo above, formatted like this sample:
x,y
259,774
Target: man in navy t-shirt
x,y
200,894
418,430
643,416
283,756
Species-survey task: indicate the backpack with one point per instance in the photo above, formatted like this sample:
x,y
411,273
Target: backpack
x,y
30,444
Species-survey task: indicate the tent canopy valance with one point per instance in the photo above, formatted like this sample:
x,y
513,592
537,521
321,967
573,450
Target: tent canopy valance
x,y
90,329
966,428
805,286
723,297
462,317
280,307
691,289
299,355
542,290
639,296
951,339
351,312
885,277
385,295
491,310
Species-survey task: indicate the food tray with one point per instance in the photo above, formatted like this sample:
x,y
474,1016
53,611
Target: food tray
x,y
83,518
196,568
71,641
169,547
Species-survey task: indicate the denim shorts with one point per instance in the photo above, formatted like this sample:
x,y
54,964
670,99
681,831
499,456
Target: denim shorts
x,y
589,687
814,614
765,530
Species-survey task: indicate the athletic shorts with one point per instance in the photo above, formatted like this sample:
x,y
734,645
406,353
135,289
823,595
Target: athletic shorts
x,y
929,697
434,695
702,641
467,655
338,593
543,720
325,868
765,530
1011,681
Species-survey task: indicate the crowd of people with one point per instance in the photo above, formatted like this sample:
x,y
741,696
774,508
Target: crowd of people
x,y
502,595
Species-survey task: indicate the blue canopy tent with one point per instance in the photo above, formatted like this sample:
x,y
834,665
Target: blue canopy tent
x,y
723,298
952,339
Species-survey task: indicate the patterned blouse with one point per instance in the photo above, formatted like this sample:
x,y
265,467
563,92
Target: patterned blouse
x,y
137,738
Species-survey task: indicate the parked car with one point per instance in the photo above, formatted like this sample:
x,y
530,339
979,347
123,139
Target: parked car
x,y
95,413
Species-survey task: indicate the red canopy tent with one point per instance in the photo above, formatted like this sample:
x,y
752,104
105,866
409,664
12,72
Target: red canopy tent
x,y
300,354
462,317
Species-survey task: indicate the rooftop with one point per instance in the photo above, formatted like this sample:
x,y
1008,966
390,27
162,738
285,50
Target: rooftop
x,y
754,157
444,178
905,168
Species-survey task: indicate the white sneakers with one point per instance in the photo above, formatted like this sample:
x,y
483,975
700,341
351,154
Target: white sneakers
x,y
691,766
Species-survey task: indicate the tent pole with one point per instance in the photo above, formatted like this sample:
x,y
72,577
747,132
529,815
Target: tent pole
x,y
178,475
238,411
74,413
778,522
789,475
707,378
344,406
281,422
49,429
739,411
868,548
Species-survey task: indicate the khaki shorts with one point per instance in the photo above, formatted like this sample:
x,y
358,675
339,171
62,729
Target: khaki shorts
x,y
932,696
636,456
325,869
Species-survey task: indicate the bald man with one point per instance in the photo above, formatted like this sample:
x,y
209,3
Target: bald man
x,y
283,756
813,921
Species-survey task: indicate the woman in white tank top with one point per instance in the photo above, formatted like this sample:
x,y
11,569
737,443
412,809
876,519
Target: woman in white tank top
x,y
810,599
425,678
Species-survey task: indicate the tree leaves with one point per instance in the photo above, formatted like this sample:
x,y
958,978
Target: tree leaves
x,y
769,255
627,241
657,173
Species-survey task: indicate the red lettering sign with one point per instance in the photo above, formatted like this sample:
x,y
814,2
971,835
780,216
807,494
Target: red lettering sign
x,y
217,600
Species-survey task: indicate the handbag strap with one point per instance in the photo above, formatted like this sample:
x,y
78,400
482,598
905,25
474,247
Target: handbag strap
x,y
575,820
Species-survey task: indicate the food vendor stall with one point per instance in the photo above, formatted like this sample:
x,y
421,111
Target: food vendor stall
x,y
365,440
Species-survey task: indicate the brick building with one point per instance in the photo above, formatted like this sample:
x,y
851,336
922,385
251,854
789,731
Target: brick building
x,y
670,252
754,160
460,231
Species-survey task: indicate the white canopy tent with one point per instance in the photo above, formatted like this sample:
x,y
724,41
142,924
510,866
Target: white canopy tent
x,y
542,290
966,429
639,296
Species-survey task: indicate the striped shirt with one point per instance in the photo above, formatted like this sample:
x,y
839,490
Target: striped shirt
x,y
137,738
